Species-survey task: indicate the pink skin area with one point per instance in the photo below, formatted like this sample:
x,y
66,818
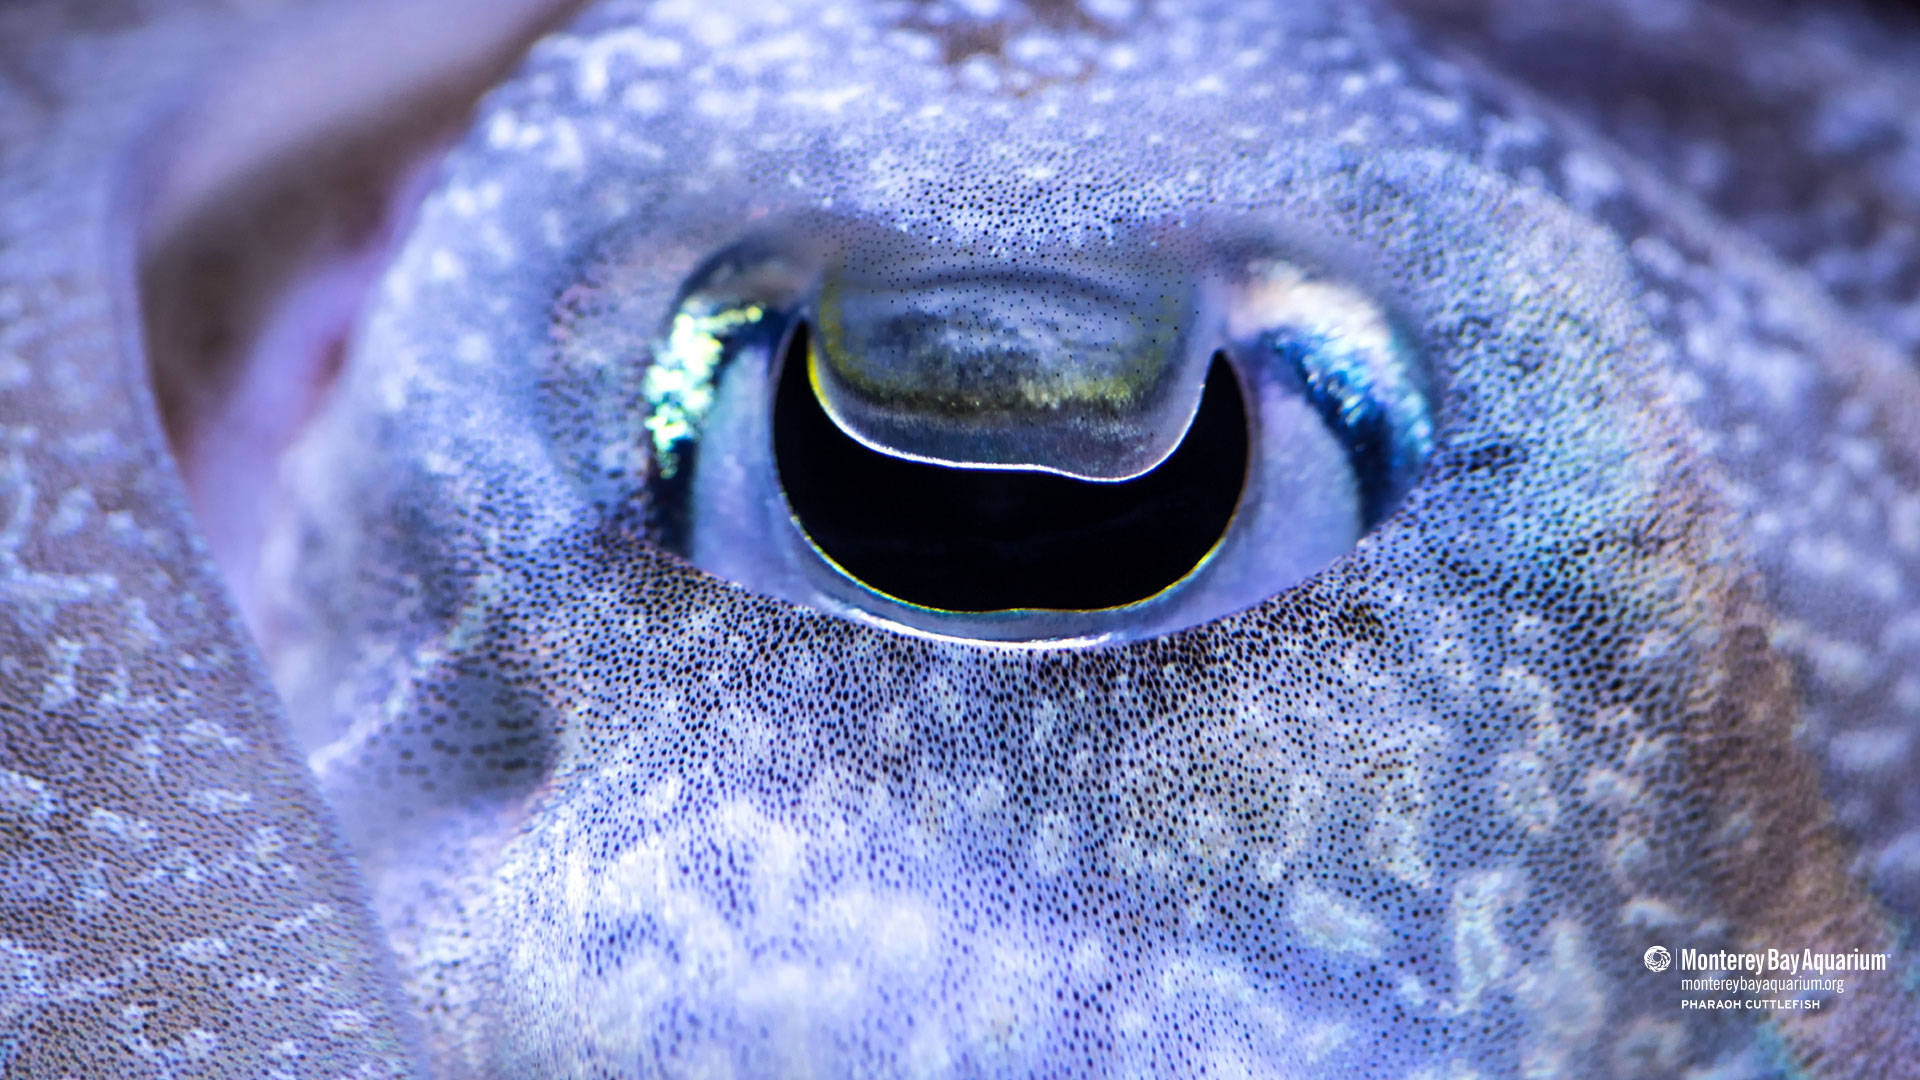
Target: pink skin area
x,y
232,455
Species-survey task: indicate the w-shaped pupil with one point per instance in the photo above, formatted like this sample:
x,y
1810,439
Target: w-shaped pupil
x,y
982,540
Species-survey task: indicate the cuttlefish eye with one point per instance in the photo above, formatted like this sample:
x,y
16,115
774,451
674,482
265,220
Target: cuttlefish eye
x,y
1043,447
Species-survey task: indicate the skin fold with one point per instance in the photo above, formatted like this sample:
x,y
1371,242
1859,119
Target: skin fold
x,y
459,773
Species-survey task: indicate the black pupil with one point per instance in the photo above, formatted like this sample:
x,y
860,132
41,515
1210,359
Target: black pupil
x,y
975,540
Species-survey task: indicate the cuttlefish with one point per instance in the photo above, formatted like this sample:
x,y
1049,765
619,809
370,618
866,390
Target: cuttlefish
x,y
976,538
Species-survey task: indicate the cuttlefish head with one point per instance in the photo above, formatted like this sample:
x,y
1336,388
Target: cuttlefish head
x,y
914,541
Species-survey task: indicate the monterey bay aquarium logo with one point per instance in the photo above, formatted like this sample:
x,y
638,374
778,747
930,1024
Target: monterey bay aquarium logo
x,y
1793,963
1771,979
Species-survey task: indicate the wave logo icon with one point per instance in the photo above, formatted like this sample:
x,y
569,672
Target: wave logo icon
x,y
1657,959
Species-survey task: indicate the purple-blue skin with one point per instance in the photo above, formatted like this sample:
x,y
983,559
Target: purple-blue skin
x,y
489,780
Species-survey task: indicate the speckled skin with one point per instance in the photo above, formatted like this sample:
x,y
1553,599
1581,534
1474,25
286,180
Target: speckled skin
x,y
1634,664
174,900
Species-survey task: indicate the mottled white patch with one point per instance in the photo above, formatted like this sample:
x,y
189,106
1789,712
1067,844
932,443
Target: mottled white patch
x,y
1334,923
26,796
1482,957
